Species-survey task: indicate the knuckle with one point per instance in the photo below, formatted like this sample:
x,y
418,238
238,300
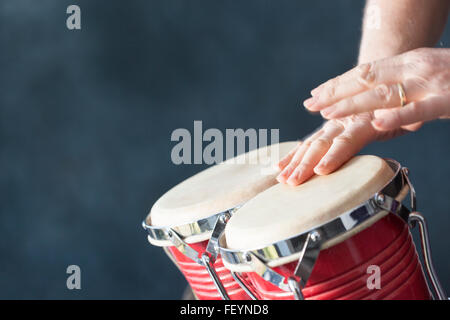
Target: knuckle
x,y
413,106
396,119
344,139
416,109
330,161
293,150
322,143
384,93
285,159
305,165
366,74
349,104
308,142
330,91
333,82
335,123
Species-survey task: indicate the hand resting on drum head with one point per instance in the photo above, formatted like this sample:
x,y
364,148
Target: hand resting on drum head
x,y
330,147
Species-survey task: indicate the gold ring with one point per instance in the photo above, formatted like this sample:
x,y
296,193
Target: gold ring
x,y
402,94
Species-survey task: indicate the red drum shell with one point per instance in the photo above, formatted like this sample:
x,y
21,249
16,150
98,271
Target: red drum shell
x,y
198,278
341,272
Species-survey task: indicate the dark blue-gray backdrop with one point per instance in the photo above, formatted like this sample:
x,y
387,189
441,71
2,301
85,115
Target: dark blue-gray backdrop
x,y
86,118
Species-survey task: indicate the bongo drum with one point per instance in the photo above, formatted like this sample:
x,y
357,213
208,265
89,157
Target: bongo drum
x,y
188,219
341,236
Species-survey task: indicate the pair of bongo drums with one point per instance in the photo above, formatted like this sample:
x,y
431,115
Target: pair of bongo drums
x,y
235,233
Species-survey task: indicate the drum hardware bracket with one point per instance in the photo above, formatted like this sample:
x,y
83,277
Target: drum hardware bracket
x,y
307,260
264,271
212,251
390,204
387,203
206,261
240,282
413,197
416,217
213,244
182,246
295,288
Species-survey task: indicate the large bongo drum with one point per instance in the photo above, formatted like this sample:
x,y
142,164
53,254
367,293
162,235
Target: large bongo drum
x,y
341,236
188,219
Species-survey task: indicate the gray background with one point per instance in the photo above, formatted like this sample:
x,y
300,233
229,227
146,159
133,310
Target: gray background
x,y
86,118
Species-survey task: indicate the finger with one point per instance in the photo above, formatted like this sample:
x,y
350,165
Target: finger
x,y
413,127
345,146
297,157
355,81
295,161
286,159
380,113
312,156
381,97
425,110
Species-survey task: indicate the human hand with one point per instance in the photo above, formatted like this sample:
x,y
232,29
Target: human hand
x,y
363,106
373,87
330,147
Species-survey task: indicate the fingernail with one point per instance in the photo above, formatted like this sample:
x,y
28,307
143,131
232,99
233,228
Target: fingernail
x,y
284,174
293,179
320,167
308,103
328,112
378,122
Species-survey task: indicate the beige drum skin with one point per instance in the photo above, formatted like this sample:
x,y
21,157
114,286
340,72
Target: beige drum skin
x,y
218,188
283,211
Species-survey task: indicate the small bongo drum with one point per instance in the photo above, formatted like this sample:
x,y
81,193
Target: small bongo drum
x,y
189,218
341,236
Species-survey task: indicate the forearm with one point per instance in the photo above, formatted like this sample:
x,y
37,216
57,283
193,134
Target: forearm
x,y
391,27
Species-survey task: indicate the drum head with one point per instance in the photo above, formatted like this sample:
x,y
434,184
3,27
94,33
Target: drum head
x,y
283,211
219,188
